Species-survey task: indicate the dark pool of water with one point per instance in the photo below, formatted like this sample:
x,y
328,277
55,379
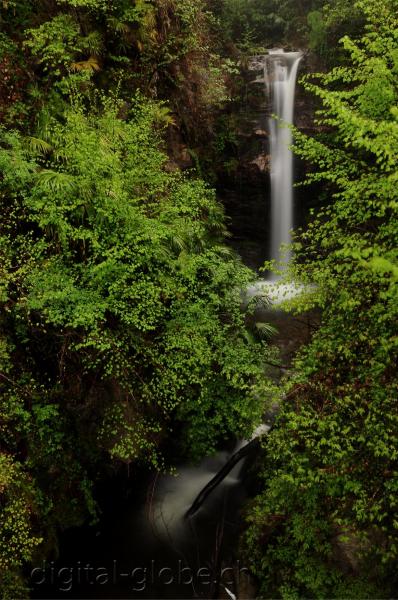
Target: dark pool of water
x,y
144,547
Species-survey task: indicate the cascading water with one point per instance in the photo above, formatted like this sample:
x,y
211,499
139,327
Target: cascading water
x,y
279,78
282,73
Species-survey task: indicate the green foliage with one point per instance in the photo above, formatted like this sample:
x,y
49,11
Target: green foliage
x,y
17,497
260,22
55,43
328,23
110,250
121,315
100,5
162,47
315,24
326,522
318,31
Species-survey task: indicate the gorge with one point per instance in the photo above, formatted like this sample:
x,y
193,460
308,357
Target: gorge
x,y
168,429
191,519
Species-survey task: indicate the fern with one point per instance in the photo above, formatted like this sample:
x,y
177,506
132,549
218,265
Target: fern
x,y
56,182
91,65
118,26
37,145
162,116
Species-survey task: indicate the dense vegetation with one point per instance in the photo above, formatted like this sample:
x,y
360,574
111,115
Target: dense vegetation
x,y
120,303
326,522
120,306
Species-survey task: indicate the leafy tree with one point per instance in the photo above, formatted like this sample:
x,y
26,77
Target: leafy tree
x,y
249,23
328,23
120,318
313,24
326,523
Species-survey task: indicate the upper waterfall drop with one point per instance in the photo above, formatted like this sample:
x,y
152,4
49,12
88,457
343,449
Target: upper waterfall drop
x,y
279,78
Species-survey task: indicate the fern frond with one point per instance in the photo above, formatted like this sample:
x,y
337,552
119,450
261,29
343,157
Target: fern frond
x,y
265,330
37,145
91,64
56,182
162,116
118,26
93,43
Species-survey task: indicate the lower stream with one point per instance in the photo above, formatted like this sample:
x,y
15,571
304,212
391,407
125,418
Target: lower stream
x,y
145,546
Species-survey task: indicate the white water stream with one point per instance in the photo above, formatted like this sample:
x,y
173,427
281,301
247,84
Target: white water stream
x,y
279,76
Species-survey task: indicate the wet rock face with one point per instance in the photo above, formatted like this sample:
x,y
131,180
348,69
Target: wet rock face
x,y
306,104
292,333
177,149
241,172
245,190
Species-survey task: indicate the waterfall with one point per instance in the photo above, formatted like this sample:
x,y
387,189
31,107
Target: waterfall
x,y
280,75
